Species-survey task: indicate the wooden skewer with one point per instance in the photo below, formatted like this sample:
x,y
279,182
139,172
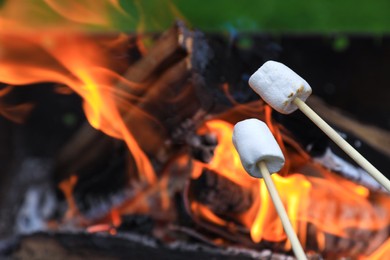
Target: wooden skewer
x,y
344,145
296,245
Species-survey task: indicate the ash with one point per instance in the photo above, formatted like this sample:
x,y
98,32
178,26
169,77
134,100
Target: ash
x,y
37,208
33,193
335,163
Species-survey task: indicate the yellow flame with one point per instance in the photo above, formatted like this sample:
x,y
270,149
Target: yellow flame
x,y
330,203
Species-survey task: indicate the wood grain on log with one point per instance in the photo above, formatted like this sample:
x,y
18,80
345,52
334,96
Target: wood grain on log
x,y
220,194
165,93
376,137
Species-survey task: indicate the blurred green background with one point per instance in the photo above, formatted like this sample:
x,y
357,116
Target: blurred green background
x,y
288,15
299,16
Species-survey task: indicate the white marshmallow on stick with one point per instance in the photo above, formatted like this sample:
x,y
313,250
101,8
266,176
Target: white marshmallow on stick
x,y
254,142
286,91
260,154
279,86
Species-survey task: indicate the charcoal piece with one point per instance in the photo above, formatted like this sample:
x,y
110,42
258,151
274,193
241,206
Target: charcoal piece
x,y
142,224
203,146
220,194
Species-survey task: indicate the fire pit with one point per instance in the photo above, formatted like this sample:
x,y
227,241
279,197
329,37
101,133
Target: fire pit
x,y
119,146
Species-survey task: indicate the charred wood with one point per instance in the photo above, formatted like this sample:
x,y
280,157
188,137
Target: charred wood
x,y
220,194
166,70
376,137
127,246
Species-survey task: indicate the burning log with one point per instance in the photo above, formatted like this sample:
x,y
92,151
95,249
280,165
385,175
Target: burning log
x,y
167,69
220,194
167,50
376,137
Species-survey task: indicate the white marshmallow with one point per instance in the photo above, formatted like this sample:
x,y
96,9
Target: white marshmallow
x,y
254,142
278,85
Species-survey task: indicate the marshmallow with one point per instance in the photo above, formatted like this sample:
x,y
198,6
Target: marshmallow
x,y
254,142
278,85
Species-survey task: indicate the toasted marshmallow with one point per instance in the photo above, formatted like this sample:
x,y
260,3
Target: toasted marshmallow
x,y
254,142
278,85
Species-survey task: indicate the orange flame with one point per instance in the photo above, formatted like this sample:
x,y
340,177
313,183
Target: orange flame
x,y
67,187
226,163
79,61
201,210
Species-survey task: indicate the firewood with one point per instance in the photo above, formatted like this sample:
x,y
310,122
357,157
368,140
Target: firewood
x,y
77,153
167,93
220,194
374,136
167,50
